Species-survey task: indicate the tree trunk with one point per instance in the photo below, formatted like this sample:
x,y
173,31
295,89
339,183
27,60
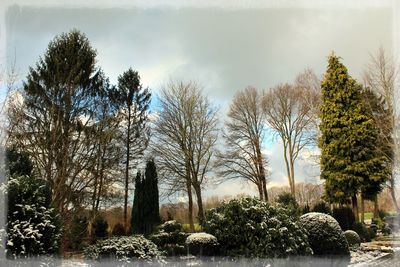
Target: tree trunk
x,y
376,207
262,172
260,191
362,209
264,189
355,207
285,147
127,171
200,215
190,205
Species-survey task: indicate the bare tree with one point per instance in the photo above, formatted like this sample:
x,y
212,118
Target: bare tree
x,y
380,76
185,134
244,135
290,114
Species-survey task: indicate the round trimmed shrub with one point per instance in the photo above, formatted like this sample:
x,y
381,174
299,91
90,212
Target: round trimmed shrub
x,y
324,234
252,228
202,244
123,248
99,228
118,230
352,238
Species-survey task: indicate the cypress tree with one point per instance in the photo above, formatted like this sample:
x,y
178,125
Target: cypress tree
x,y
348,137
145,210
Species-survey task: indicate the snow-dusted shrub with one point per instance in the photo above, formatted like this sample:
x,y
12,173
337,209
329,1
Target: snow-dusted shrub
x,y
252,228
170,238
202,244
324,234
123,248
352,238
362,231
33,226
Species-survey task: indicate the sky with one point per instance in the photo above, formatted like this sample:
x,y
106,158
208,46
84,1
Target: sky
x,y
223,48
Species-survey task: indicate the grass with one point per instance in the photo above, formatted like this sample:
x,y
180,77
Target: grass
x,y
197,227
368,215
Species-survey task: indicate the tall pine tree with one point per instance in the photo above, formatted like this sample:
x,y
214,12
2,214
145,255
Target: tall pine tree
x,y
348,137
145,210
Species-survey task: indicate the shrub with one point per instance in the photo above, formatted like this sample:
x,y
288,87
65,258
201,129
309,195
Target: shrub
x,y
382,214
118,230
252,228
170,238
99,228
123,248
345,217
33,225
78,232
289,202
324,234
202,244
352,238
386,230
322,207
362,231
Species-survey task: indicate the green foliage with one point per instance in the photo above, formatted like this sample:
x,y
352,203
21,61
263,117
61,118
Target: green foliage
x,y
123,248
289,202
170,238
252,228
352,238
145,210
202,244
99,228
349,159
78,232
345,217
33,226
118,230
305,209
362,231
18,163
322,207
324,234
382,214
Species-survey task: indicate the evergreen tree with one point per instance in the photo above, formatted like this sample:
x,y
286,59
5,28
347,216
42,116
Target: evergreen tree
x,y
145,210
348,137
33,225
133,101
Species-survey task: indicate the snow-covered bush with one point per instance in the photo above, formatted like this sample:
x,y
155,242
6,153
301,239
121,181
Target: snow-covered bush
x,y
123,248
170,238
202,244
33,226
324,234
252,228
352,238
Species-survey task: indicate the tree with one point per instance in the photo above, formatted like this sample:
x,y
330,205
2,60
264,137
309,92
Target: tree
x,y
185,137
243,137
347,139
53,123
33,225
146,211
133,102
380,75
290,112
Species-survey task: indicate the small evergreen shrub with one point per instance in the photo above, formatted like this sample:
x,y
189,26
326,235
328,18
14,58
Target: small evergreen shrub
x,y
123,248
289,202
322,207
324,234
382,214
345,217
252,228
99,228
362,231
352,238
305,209
170,238
202,244
386,230
118,230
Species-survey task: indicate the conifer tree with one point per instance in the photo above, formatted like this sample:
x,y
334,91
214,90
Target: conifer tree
x,y
348,137
145,210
